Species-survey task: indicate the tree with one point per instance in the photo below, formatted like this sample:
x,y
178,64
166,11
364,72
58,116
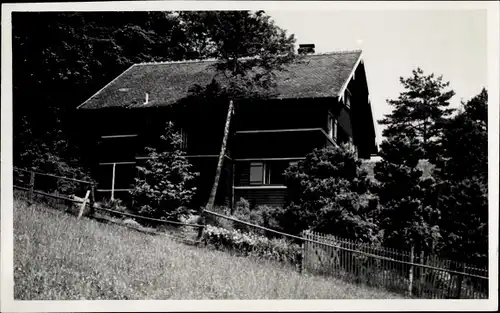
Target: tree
x,y
408,217
164,187
462,173
420,110
464,142
62,58
249,49
330,193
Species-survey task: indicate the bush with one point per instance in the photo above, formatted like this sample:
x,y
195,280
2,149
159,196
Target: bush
x,y
330,193
166,184
249,244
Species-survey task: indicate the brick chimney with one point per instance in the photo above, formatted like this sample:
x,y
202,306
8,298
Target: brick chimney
x,y
306,48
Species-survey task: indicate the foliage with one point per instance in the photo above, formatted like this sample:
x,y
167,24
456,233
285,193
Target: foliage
x,y
249,49
249,244
465,142
84,51
409,216
462,173
262,215
330,193
464,223
115,205
164,187
420,109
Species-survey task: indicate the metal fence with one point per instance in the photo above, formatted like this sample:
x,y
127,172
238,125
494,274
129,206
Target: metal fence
x,y
401,271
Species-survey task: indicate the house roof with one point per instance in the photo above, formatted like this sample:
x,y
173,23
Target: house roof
x,y
319,75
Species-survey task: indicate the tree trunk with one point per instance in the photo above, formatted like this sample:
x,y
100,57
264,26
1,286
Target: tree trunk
x,y
211,198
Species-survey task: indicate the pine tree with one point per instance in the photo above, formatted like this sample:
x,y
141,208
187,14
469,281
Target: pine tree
x,y
165,187
462,173
408,217
420,110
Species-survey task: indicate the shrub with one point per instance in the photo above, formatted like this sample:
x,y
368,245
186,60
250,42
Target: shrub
x,y
165,186
329,192
116,205
249,244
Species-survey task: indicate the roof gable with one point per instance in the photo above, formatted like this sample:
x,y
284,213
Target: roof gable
x,y
319,75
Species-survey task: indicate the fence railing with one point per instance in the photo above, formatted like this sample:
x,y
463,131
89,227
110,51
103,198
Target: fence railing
x,y
400,271
417,275
64,190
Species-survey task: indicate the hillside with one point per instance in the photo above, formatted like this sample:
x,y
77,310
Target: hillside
x,y
57,257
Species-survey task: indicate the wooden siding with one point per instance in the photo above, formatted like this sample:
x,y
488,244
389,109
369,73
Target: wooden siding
x,y
282,114
277,145
206,168
344,121
261,196
242,173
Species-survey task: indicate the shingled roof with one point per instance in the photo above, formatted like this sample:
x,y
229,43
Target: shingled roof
x,y
319,75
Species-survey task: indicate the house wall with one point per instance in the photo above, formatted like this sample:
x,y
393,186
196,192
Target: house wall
x,y
206,168
277,145
360,114
204,126
282,114
256,197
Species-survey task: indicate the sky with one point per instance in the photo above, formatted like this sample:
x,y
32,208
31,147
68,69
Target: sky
x,y
444,42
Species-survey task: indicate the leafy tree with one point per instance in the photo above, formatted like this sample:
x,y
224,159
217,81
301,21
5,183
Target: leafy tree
x,y
249,49
61,58
420,110
462,172
330,193
165,184
248,46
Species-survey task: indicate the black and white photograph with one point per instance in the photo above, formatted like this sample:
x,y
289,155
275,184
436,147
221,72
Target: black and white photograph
x,y
250,151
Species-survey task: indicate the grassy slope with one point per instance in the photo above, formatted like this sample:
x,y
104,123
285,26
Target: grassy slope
x,y
59,257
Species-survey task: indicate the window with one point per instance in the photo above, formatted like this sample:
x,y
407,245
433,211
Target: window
x,y
256,173
348,100
268,173
332,126
184,138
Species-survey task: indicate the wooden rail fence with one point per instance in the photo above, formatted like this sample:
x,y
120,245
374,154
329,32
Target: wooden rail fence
x,y
88,201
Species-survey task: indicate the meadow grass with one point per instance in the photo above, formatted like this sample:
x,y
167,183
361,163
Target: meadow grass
x,y
57,257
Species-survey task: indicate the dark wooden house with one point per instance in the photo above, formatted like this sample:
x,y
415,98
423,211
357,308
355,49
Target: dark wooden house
x,y
320,101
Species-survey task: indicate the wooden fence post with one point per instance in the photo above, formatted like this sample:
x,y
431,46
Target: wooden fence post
x,y
92,198
113,183
303,262
421,273
459,280
84,202
410,276
32,188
